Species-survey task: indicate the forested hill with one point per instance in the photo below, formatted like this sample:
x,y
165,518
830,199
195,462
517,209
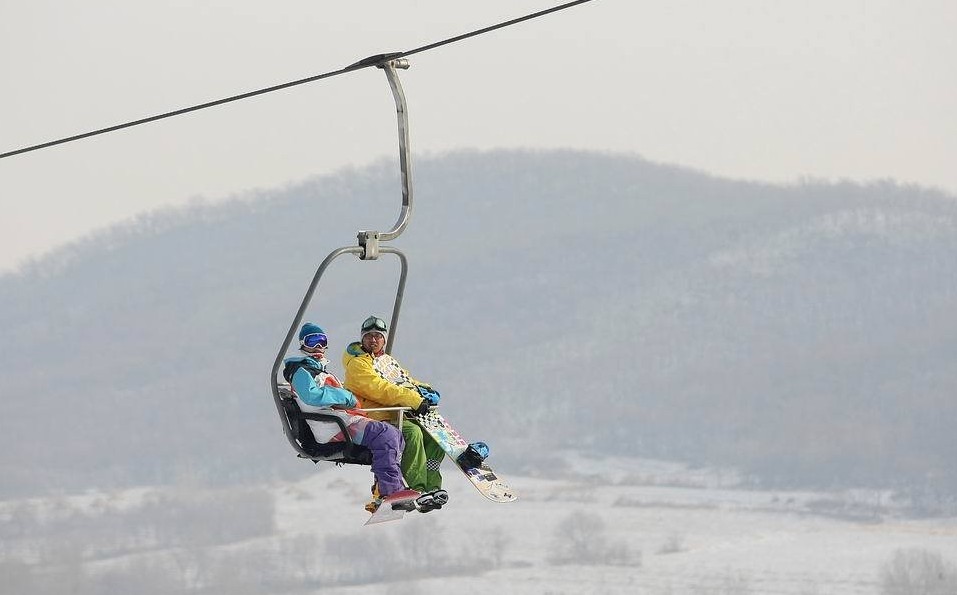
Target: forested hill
x,y
804,333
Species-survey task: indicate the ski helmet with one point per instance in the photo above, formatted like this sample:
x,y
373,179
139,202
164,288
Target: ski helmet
x,y
374,324
312,336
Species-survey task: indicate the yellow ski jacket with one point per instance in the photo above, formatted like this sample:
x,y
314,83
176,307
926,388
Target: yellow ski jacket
x,y
378,381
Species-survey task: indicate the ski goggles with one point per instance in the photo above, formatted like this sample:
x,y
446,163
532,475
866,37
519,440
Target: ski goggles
x,y
314,340
373,324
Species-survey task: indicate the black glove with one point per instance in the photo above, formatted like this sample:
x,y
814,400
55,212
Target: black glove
x,y
422,409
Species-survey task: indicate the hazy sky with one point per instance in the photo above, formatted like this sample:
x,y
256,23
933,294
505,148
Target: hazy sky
x,y
758,89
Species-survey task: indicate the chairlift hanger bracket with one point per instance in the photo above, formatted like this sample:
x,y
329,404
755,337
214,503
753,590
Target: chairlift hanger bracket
x,y
369,240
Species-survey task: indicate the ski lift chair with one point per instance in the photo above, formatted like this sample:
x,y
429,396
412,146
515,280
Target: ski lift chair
x,y
369,247
294,420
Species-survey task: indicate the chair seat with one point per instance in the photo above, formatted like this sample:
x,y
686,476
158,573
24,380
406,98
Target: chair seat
x,y
346,451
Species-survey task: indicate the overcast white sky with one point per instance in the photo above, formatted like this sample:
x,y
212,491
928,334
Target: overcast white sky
x,y
758,89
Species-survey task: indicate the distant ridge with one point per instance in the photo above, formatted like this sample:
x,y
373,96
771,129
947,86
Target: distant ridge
x,y
804,333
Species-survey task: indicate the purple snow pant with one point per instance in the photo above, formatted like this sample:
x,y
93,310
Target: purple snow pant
x,y
385,442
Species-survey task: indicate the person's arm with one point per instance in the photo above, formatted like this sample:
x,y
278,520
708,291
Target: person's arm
x,y
320,396
424,389
364,380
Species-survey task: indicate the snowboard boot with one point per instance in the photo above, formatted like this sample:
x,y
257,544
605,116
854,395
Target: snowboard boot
x,y
373,505
474,455
432,501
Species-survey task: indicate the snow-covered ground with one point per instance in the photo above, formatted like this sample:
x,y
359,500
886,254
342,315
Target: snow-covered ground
x,y
609,526
686,538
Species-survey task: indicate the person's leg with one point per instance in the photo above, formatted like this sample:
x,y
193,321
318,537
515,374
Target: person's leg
x,y
434,456
385,443
435,497
413,456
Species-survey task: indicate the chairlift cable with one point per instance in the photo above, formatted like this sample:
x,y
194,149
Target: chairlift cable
x,y
351,68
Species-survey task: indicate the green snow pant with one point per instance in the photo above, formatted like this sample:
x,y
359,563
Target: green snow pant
x,y
420,459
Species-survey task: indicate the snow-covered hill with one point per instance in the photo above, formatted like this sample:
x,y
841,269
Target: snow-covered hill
x,y
803,332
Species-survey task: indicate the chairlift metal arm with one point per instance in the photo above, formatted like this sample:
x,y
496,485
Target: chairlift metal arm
x,y
368,239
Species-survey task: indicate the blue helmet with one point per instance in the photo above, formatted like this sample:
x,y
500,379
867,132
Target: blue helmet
x,y
308,329
312,338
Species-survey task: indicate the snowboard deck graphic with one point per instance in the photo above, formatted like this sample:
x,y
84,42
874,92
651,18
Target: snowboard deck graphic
x,y
394,507
481,476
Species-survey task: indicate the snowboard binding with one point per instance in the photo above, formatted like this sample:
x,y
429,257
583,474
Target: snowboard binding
x,y
401,500
474,454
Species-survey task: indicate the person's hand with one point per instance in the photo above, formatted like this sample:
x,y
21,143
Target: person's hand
x,y
422,409
429,394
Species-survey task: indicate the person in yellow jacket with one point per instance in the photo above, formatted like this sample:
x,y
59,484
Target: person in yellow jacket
x,y
378,380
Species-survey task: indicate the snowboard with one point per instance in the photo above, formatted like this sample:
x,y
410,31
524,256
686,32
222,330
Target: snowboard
x,y
480,475
394,507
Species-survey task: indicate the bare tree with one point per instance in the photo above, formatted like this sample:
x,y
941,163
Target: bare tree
x,y
580,539
918,571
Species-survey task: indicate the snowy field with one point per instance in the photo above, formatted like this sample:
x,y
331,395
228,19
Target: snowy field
x,y
621,526
685,539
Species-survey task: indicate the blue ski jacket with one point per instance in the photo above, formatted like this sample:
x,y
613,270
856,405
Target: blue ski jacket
x,y
322,390
319,390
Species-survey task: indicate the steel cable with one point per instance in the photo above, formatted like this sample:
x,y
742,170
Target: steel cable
x,y
371,61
